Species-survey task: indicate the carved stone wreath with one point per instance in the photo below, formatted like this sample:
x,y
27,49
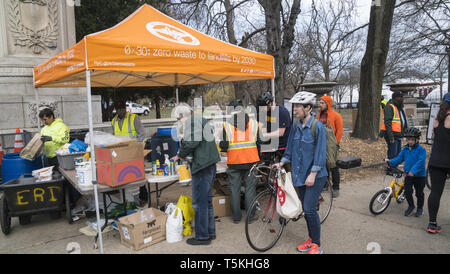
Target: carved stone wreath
x,y
24,36
33,110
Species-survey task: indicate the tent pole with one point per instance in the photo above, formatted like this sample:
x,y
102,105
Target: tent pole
x,y
37,117
178,98
93,166
273,87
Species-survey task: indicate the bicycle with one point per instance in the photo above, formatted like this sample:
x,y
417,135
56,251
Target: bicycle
x,y
264,230
381,200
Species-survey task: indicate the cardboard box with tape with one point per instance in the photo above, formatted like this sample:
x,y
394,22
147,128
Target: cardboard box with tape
x,y
138,234
120,163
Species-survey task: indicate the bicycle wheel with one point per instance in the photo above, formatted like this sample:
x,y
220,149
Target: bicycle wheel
x,y
263,233
325,202
380,202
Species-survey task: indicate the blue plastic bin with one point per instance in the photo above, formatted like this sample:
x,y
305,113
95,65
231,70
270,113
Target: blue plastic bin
x,y
13,166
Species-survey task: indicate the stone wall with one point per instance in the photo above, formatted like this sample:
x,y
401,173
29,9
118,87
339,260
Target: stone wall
x,y
31,32
20,111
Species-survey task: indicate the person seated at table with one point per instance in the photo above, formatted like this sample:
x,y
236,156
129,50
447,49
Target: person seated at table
x,y
128,124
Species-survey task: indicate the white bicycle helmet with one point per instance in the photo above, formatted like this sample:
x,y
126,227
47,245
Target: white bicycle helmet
x,y
304,98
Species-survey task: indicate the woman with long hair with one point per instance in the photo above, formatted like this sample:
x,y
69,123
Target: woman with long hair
x,y
439,164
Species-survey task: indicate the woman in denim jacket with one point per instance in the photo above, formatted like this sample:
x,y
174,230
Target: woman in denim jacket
x,y
307,155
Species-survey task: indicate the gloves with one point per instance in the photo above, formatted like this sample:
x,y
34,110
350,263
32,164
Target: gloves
x,y
46,139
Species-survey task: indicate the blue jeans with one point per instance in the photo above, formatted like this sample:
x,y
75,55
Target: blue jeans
x,y
393,148
202,183
309,196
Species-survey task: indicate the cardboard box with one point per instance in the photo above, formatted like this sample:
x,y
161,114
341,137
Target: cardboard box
x,y
221,199
138,235
222,206
33,148
120,163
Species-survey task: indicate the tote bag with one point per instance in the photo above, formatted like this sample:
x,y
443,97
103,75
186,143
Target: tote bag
x,y
288,203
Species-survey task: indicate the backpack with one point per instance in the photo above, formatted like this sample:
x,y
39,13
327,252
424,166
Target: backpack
x,y
332,144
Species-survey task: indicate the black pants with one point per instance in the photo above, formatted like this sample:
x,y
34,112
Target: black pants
x,y
419,184
438,177
336,177
143,193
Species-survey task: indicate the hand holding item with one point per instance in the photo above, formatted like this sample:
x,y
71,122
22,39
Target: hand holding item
x,y
46,139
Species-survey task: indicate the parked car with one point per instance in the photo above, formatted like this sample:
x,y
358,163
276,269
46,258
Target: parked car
x,y
136,109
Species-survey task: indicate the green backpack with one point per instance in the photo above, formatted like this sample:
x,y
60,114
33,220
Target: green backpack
x,y
332,144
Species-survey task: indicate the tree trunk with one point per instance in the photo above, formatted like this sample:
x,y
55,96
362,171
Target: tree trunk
x,y
277,46
372,69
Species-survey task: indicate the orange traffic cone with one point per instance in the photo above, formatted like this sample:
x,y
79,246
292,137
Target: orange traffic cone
x,y
19,145
1,154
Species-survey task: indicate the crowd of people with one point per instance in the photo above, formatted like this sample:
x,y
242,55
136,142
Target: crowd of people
x,y
303,144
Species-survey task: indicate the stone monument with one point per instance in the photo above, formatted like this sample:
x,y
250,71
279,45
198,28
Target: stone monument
x,y
31,32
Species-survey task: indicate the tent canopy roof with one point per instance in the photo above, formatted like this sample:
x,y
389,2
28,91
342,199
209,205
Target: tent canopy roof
x,y
151,49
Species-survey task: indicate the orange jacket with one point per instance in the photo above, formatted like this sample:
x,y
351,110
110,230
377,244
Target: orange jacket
x,y
334,119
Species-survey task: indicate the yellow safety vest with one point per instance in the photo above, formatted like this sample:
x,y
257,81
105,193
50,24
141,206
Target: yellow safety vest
x,y
128,128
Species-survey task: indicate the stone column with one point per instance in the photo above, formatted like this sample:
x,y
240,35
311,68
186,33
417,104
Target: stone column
x,y
31,32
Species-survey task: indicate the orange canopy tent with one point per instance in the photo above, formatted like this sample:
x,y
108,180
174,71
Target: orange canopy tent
x,y
149,49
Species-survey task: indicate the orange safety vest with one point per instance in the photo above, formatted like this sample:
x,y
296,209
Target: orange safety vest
x,y
396,121
242,147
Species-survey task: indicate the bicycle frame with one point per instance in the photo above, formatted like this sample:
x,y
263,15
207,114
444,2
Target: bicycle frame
x,y
392,190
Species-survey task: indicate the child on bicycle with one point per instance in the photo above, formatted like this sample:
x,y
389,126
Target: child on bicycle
x,y
414,156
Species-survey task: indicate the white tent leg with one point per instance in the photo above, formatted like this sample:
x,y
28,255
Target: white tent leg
x,y
176,93
37,118
94,170
273,87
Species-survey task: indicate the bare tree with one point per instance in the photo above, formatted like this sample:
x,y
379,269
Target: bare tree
x,y
330,41
280,27
372,69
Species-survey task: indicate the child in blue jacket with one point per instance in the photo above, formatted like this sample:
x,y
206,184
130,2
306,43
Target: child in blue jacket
x,y
414,157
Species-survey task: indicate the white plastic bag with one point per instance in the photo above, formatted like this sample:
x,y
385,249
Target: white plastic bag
x,y
288,203
102,139
174,224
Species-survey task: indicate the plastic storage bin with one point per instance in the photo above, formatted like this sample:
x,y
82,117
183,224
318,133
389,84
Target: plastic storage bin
x,y
68,161
13,166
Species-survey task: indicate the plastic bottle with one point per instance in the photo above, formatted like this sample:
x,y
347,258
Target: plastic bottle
x,y
154,168
167,165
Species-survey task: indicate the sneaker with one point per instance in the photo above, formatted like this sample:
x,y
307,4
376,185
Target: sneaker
x,y
419,212
335,193
315,249
434,228
193,241
305,246
409,211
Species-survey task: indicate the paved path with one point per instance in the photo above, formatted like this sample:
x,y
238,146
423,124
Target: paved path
x,y
350,228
